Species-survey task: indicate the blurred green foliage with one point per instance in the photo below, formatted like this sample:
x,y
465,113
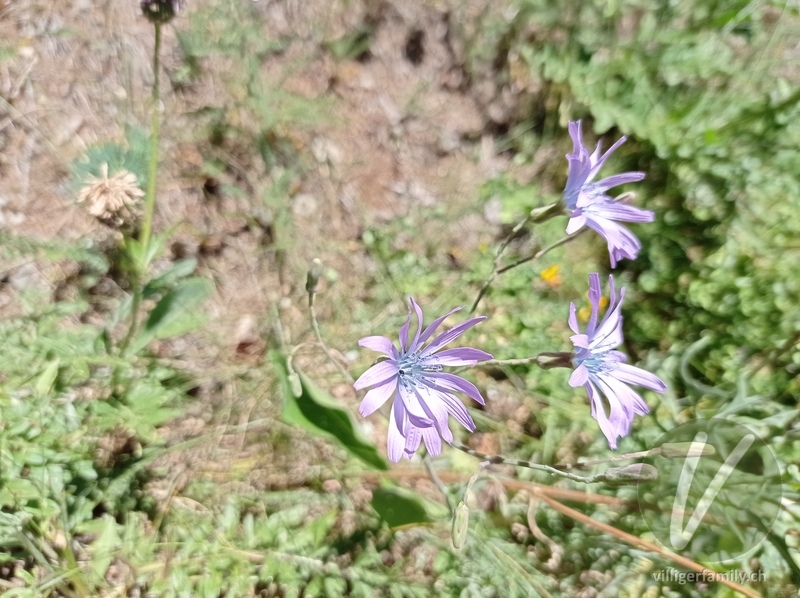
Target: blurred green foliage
x,y
132,156
713,107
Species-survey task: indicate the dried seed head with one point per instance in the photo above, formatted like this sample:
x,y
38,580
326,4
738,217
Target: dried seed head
x,y
160,11
111,199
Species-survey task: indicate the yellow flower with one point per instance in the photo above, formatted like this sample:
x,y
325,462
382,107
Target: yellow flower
x,y
586,310
551,276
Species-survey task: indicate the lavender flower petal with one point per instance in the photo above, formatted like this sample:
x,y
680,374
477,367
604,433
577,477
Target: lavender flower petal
x,y
573,318
618,179
632,375
403,336
432,441
377,374
450,336
417,413
595,294
579,376
454,383
413,438
379,344
454,357
433,326
616,211
454,407
376,397
622,243
415,343
395,441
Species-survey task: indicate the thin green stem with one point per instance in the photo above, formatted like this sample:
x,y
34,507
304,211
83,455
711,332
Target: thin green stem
x,y
136,302
150,194
496,262
614,459
497,459
540,253
536,216
437,481
546,361
142,261
318,333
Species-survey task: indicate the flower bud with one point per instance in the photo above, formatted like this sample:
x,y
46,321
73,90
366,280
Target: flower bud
x,y
312,278
548,361
295,384
460,525
546,212
671,450
160,11
636,473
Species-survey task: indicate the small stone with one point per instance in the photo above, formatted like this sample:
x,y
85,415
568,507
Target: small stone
x,y
304,205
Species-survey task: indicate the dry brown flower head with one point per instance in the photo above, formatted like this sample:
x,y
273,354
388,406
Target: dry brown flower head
x,y
111,199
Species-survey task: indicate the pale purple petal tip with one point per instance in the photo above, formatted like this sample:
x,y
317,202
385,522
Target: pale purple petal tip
x,y
377,374
380,344
395,442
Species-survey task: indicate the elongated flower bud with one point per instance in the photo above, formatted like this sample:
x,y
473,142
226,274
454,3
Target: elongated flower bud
x,y
559,359
547,212
636,473
671,450
460,525
314,273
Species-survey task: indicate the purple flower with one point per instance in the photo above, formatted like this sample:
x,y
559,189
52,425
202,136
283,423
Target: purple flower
x,y
603,371
423,394
589,204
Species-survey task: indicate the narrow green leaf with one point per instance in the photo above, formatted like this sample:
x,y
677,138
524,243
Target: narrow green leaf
x,y
315,411
178,271
106,543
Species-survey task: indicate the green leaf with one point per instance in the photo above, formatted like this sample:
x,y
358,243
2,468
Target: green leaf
x,y
107,541
315,411
179,270
399,507
176,313
44,384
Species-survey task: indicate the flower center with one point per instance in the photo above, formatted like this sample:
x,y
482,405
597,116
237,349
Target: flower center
x,y
411,367
589,196
594,363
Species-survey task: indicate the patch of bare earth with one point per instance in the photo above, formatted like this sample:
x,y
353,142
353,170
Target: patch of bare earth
x,y
405,131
